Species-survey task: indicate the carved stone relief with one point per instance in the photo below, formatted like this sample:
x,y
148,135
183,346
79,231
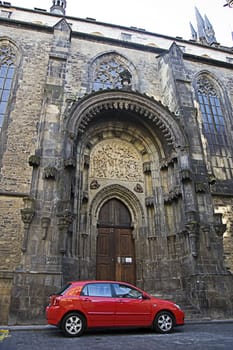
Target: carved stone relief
x,y
116,159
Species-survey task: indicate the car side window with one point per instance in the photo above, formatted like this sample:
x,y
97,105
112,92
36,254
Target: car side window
x,y
124,291
97,290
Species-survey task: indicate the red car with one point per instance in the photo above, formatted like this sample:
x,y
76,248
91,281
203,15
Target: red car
x,y
89,304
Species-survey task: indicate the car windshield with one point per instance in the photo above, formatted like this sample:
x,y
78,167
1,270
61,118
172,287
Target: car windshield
x,y
122,290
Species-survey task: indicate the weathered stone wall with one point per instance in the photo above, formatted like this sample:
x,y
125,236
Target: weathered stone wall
x,y
11,232
32,289
84,52
19,138
6,281
225,207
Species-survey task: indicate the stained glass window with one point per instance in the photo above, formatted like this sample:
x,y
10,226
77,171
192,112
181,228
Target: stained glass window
x,y
212,116
7,69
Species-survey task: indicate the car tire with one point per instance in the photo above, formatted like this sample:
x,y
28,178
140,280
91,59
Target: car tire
x,y
73,324
164,322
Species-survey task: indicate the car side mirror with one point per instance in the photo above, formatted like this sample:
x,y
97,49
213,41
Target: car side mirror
x,y
145,296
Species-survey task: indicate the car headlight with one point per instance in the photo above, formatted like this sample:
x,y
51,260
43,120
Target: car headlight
x,y
178,306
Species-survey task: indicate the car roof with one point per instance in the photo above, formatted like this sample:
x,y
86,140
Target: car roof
x,y
79,283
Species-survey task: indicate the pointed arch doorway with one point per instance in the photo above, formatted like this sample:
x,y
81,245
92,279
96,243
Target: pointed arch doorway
x,y
115,257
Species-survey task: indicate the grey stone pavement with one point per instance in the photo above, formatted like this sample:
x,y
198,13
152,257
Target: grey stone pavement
x,y
194,335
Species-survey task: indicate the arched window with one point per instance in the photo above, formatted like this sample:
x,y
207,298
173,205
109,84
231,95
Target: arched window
x,y
215,128
111,71
7,69
213,122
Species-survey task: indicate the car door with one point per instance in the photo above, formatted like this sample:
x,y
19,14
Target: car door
x,y
98,304
132,309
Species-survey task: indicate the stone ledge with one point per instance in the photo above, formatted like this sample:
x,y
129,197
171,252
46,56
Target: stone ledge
x,y
13,194
6,274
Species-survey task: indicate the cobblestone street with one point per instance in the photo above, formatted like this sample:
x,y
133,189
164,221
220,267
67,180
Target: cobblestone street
x,y
208,336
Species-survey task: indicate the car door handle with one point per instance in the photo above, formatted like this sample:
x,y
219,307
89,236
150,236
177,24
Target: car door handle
x,y
87,299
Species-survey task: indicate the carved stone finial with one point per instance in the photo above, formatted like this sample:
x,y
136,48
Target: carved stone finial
x,y
59,7
69,163
147,167
138,188
211,179
149,201
94,185
34,160
219,227
85,197
50,173
186,175
201,187
86,161
45,222
126,77
205,229
163,164
65,218
27,216
192,231
29,202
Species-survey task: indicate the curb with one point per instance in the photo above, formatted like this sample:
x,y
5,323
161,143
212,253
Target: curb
x,y
28,328
204,321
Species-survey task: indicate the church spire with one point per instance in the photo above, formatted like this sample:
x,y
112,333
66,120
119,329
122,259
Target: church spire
x,y
193,31
205,32
59,7
209,31
200,26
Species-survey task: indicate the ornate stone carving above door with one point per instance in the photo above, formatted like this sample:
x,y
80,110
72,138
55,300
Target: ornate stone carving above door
x,y
116,159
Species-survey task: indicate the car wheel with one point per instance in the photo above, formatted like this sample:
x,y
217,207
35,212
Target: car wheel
x,y
73,324
164,322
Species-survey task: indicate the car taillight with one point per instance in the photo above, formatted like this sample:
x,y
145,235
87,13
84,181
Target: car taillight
x,y
56,302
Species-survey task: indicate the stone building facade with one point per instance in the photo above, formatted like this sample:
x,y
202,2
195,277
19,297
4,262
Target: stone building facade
x,y
115,161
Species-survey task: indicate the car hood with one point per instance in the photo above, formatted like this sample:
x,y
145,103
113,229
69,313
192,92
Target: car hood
x,y
162,301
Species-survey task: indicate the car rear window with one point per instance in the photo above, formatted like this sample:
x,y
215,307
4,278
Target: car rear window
x,y
63,290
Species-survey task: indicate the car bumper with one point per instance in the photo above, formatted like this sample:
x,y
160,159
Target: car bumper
x,y
52,315
180,316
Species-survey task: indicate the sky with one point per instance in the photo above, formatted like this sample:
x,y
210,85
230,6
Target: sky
x,y
169,17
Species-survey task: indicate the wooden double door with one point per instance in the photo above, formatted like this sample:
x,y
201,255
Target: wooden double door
x,y
115,244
